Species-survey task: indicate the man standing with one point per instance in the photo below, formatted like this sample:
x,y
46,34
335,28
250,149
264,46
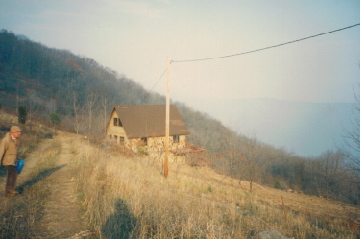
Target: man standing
x,y
8,156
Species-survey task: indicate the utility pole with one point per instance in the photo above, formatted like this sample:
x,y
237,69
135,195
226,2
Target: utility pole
x,y
167,119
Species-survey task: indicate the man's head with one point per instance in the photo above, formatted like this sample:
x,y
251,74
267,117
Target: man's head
x,y
15,132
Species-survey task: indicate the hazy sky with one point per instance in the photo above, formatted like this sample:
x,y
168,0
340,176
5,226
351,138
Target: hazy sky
x,y
135,37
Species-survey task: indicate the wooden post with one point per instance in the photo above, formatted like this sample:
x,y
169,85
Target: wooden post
x,y
167,120
282,201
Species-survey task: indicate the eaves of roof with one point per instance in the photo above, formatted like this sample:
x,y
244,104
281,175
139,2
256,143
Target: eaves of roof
x,y
149,120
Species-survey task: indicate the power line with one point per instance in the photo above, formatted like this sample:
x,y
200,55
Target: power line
x,y
265,48
154,86
248,52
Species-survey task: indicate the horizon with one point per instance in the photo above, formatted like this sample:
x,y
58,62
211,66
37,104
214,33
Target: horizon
x,y
136,38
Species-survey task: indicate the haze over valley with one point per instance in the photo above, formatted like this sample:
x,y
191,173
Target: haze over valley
x,y
303,128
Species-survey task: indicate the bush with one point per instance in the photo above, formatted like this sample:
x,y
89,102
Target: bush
x,y
55,118
22,114
277,185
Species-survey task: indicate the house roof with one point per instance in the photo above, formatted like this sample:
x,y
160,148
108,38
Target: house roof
x,y
149,120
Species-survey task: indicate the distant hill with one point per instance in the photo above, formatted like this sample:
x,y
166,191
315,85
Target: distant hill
x,y
306,129
81,90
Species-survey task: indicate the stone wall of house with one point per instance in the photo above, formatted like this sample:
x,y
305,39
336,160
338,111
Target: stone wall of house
x,y
151,146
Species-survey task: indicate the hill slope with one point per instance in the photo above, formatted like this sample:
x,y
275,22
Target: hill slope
x,y
120,196
49,80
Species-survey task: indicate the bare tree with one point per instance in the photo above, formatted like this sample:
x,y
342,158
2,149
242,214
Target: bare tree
x,y
32,99
331,167
51,105
353,137
352,140
90,105
250,160
76,110
105,105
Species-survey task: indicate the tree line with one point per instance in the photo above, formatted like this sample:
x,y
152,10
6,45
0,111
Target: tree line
x,y
59,88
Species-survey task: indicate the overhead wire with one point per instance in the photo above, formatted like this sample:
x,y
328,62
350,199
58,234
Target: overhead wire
x,y
248,52
154,85
265,48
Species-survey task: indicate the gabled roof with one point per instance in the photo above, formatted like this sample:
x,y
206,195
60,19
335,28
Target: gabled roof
x,y
149,120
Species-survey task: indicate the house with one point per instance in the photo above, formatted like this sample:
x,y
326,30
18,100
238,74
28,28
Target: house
x,y
142,128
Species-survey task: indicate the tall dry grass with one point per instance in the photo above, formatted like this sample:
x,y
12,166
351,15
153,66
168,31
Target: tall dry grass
x,y
127,197
19,215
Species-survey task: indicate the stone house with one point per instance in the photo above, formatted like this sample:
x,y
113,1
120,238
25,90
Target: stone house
x,y
141,128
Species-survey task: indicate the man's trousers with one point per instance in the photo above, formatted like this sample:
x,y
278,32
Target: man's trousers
x,y
11,179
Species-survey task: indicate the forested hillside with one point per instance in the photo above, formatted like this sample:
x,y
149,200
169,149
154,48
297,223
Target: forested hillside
x,y
81,92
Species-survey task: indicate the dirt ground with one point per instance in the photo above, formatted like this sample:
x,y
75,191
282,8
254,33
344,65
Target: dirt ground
x,y
61,216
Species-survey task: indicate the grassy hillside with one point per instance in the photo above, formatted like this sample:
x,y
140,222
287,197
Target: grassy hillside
x,y
196,202
81,92
118,196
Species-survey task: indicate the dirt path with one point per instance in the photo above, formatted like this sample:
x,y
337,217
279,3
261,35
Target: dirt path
x,y
52,190
62,218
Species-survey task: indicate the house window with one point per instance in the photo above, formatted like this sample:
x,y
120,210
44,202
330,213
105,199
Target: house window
x,y
144,140
115,137
122,140
176,139
110,136
117,122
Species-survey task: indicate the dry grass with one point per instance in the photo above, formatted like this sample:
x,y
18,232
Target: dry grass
x,y
19,215
128,198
